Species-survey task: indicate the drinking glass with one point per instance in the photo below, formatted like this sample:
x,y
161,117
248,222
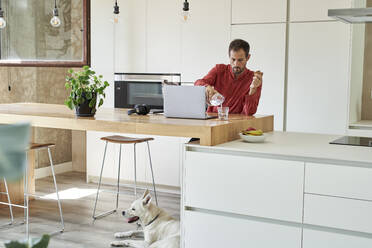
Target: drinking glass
x,y
223,113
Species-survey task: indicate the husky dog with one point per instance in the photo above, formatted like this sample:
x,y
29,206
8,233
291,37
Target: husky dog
x,y
159,229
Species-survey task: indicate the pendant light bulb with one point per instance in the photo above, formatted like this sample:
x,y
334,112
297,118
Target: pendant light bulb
x,y
2,20
55,21
185,11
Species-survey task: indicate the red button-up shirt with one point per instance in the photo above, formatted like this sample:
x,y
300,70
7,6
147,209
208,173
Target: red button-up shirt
x,y
235,90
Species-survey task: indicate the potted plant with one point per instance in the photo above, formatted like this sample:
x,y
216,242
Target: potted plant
x,y
86,90
31,243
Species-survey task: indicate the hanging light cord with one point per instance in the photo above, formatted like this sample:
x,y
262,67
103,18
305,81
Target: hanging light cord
x,y
55,4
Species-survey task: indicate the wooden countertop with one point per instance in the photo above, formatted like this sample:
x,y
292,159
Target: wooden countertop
x,y
210,132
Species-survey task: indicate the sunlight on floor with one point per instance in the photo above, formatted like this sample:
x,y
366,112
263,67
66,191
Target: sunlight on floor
x,y
71,194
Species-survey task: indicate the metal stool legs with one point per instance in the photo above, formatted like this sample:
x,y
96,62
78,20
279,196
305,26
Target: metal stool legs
x,y
26,196
152,173
118,186
135,172
99,186
9,204
94,216
55,186
26,199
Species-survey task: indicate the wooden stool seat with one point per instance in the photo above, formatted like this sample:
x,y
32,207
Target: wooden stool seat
x,y
34,146
125,140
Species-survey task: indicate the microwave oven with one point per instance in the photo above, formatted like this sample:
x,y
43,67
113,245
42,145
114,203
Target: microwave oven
x,y
142,88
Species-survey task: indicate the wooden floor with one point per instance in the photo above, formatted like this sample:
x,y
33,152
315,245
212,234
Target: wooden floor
x,y
80,231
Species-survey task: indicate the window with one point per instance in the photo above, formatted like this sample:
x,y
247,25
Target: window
x,y
30,40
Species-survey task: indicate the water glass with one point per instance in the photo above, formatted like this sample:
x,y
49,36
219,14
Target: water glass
x,y
223,113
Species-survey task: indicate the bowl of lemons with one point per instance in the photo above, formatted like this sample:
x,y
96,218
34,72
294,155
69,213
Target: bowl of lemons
x,y
252,135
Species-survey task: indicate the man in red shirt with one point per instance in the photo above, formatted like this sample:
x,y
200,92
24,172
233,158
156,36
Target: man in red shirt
x,y
240,86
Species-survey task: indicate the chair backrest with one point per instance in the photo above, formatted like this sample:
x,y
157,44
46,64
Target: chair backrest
x,y
14,141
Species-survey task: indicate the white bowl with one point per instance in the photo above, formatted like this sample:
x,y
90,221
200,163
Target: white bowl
x,y
253,138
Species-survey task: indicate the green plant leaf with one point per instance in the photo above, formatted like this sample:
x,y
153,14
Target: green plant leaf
x,y
88,95
41,242
32,243
68,103
15,244
92,103
100,102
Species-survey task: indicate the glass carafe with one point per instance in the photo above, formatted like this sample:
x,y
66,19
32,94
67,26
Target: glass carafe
x,y
217,99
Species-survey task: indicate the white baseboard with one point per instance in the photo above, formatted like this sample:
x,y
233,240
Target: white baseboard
x,y
58,169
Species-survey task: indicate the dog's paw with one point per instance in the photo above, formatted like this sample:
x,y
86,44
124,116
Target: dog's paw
x,y
119,244
123,234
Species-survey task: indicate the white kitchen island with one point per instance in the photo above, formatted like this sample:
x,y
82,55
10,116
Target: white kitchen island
x,y
294,190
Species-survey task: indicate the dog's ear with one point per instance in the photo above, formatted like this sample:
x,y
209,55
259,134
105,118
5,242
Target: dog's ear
x,y
145,193
146,201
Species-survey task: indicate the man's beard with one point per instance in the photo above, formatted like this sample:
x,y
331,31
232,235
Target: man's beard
x,y
237,70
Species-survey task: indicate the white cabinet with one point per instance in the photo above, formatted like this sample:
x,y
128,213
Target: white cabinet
x,y
336,180
269,57
318,74
319,239
253,11
244,185
341,213
314,10
205,38
206,230
165,154
163,39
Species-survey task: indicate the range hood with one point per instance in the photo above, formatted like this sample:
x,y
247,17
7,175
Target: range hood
x,y
355,15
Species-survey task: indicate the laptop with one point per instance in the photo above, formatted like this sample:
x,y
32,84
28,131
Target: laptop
x,y
185,102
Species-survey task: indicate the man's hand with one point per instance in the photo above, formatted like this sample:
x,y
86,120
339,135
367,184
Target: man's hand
x,y
209,92
257,81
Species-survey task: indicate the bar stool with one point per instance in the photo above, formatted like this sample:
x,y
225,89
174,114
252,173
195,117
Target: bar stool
x,y
34,146
117,139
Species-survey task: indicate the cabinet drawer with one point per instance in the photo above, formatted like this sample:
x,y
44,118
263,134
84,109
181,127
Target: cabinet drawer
x,y
337,180
207,230
319,239
244,185
347,214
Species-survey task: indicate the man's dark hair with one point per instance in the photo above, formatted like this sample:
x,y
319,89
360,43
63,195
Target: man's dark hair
x,y
238,44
